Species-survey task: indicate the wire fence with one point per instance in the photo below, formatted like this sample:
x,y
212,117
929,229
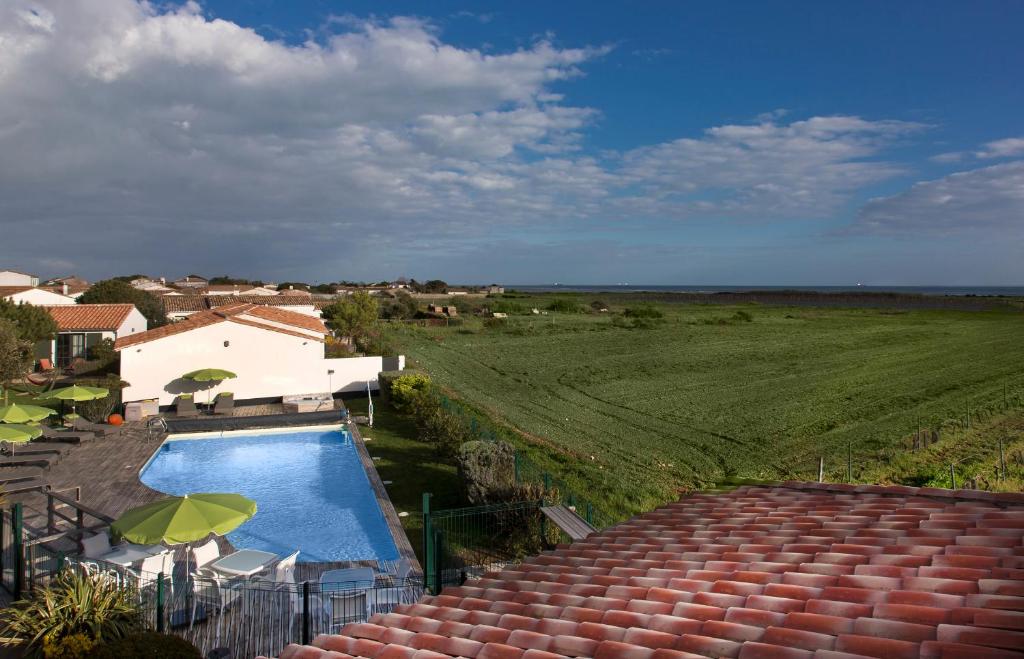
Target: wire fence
x,y
244,616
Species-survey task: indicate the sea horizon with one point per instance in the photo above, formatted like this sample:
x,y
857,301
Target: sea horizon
x,y
988,291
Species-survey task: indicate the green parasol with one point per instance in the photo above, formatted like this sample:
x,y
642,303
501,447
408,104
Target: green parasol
x,y
178,520
75,393
15,413
209,375
16,433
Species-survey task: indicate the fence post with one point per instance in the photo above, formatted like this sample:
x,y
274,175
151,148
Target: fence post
x,y
160,602
952,477
428,541
590,514
17,533
438,564
821,469
307,623
547,483
849,462
1002,461
3,544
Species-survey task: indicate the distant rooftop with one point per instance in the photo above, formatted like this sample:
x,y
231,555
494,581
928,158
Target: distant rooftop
x,y
795,571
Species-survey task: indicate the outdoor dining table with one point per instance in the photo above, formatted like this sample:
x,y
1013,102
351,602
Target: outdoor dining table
x,y
243,563
126,555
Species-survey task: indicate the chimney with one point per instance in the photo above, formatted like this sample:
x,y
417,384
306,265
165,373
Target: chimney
x,y
64,288
291,288
163,280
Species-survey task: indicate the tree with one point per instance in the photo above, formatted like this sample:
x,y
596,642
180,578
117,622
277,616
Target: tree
x,y
113,291
353,316
434,286
402,307
32,324
15,355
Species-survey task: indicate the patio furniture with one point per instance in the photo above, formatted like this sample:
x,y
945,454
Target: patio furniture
x,y
145,577
242,563
283,570
96,545
347,595
206,554
101,429
185,406
66,436
213,595
308,402
224,404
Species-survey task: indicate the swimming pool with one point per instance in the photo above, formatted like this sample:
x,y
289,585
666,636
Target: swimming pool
x,y
310,488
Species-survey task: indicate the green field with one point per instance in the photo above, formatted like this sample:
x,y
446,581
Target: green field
x,y
631,416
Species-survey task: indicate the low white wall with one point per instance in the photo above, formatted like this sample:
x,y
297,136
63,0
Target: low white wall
x,y
268,364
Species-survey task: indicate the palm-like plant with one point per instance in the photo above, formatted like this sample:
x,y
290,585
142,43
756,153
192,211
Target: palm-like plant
x,y
73,604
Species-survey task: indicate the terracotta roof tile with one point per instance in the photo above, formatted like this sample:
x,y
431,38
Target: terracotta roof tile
x,y
235,313
847,572
107,317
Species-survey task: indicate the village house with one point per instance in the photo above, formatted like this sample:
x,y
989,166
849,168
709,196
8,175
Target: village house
x,y
82,326
273,351
191,281
15,278
33,295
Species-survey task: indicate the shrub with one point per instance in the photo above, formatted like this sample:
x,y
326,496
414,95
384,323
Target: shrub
x,y
598,305
407,390
487,470
76,646
73,604
98,410
508,307
147,645
643,311
103,352
564,305
744,316
439,426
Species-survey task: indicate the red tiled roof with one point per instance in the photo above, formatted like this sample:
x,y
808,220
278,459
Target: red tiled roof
x,y
796,571
183,303
283,300
106,317
11,290
230,313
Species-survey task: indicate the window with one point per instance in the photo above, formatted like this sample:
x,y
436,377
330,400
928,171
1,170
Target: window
x,y
69,348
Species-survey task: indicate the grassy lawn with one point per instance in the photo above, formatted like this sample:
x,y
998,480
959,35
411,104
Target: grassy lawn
x,y
630,416
411,466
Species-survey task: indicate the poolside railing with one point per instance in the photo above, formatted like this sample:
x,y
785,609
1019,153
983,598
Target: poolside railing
x,y
247,617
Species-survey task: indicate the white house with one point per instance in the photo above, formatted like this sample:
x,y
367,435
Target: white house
x,y
274,352
38,297
81,326
238,289
15,278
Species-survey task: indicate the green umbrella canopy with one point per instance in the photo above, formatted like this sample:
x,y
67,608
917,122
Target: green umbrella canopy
x,y
209,375
18,433
15,413
76,393
178,520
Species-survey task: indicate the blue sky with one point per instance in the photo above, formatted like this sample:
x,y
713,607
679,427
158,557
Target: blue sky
x,y
586,142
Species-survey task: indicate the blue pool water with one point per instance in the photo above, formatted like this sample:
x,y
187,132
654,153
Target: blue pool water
x,y
310,488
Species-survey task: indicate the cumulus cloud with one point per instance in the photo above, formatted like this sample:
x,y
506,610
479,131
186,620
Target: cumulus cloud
x,y
988,200
159,139
1011,146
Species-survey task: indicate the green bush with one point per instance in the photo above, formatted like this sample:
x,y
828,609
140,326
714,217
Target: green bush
x,y
440,427
643,311
564,305
385,379
98,410
73,604
103,352
487,470
407,390
508,307
147,645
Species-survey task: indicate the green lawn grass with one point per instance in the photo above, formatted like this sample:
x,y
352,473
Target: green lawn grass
x,y
410,465
630,416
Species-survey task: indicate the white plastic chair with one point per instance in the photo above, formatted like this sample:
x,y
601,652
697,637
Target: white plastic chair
x,y
345,606
95,546
203,555
215,596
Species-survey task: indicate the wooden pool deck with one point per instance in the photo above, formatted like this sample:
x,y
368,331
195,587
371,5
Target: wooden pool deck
x,y
106,471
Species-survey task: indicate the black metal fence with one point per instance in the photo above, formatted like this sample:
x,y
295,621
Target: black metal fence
x,y
244,617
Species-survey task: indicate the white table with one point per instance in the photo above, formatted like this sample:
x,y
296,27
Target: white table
x,y
243,563
126,555
348,579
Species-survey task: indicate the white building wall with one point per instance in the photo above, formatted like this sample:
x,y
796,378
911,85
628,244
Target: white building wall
x,y
268,364
41,297
11,278
134,323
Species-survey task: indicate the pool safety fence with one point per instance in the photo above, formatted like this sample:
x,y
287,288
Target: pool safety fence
x,y
246,617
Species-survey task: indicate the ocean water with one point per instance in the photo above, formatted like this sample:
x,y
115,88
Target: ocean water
x,y
310,488
1013,291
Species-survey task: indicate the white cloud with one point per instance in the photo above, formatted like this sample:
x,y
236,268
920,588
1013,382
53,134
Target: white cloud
x,y
988,202
160,139
1011,146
